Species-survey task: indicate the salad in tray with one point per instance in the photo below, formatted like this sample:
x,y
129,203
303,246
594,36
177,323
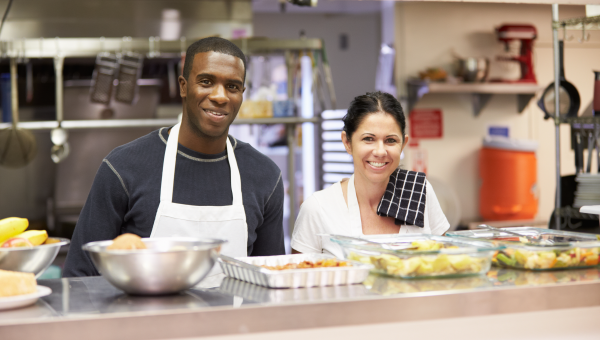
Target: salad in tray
x,y
540,249
422,256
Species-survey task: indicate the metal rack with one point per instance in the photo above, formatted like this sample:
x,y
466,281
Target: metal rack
x,y
583,24
154,47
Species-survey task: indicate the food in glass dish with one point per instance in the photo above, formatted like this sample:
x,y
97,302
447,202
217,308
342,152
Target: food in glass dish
x,y
423,265
16,283
550,259
127,242
327,263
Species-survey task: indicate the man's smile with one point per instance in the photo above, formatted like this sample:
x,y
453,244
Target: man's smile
x,y
215,114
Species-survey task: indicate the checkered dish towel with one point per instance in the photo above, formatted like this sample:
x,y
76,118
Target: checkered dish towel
x,y
405,198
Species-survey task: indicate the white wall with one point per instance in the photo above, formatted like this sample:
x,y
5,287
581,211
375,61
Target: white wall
x,y
426,34
353,70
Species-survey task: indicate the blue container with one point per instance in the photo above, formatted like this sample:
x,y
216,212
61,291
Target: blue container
x,y
283,108
6,98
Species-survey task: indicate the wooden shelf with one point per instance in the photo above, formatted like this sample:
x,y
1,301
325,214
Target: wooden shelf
x,y
480,92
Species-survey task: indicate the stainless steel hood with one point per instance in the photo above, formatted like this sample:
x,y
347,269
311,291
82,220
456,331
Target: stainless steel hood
x,y
168,19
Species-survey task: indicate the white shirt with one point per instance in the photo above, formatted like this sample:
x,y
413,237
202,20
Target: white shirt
x,y
326,212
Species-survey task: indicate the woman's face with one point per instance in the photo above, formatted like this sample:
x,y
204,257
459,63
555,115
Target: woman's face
x,y
376,146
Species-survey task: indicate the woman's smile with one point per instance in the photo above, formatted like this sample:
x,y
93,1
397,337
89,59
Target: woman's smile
x,y
378,165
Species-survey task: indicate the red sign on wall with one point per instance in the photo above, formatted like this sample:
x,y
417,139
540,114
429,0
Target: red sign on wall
x,y
425,123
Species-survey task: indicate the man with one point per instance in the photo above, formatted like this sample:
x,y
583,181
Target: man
x,y
207,185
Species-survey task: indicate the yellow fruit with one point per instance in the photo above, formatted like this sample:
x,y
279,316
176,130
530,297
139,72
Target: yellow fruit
x,y
36,237
11,227
460,262
521,256
441,263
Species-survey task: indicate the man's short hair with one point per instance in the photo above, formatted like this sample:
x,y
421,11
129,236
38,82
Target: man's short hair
x,y
211,44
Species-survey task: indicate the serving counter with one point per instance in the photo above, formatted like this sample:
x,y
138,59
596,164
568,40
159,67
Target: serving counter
x,y
505,302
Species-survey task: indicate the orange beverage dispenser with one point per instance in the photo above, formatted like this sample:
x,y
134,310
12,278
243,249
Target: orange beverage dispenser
x,y
508,173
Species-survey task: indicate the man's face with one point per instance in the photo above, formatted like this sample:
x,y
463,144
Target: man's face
x,y
213,93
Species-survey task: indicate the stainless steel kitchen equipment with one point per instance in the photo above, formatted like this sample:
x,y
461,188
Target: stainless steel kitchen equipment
x,y
31,259
60,149
102,78
249,269
473,70
130,70
169,265
17,146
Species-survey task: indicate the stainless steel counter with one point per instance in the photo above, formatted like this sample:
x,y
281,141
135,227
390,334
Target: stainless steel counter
x,y
93,308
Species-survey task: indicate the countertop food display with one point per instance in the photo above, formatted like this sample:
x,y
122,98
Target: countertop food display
x,y
540,249
19,289
166,266
29,251
326,263
267,270
13,234
419,256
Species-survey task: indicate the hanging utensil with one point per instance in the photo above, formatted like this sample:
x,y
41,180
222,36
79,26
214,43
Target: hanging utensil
x,y
60,149
328,77
570,101
130,70
17,147
578,148
103,77
591,143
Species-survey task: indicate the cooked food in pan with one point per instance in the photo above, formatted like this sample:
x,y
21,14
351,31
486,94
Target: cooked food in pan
x,y
310,264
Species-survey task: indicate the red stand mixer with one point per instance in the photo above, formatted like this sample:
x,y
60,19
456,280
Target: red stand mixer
x,y
526,34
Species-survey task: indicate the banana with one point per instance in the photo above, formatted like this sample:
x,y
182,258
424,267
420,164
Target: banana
x,y
11,227
36,237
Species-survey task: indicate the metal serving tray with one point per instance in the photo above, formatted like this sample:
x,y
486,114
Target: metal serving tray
x,y
248,269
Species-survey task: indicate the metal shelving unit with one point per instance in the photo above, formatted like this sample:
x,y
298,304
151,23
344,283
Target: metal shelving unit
x,y
153,47
593,123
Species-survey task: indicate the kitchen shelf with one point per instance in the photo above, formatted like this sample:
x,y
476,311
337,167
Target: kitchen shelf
x,y
588,23
152,47
480,92
143,123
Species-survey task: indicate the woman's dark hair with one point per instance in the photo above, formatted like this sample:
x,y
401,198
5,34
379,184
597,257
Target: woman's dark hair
x,y
372,102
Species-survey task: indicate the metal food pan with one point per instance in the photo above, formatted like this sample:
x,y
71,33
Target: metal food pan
x,y
248,269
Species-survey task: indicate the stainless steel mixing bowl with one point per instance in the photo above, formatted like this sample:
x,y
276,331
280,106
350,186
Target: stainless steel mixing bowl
x,y
169,265
31,260
473,70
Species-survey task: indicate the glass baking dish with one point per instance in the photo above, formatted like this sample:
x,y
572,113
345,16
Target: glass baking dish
x,y
419,256
556,249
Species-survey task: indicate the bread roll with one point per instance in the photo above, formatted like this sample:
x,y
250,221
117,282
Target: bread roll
x,y
127,242
16,283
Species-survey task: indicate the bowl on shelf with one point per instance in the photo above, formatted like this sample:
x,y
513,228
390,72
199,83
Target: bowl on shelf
x,y
168,266
473,70
31,259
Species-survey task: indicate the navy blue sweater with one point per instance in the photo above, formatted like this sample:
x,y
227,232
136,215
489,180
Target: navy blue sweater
x,y
126,194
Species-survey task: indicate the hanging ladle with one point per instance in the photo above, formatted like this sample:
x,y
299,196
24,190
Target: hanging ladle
x,y
17,147
60,149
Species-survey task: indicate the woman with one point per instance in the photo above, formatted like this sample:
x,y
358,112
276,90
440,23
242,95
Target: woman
x,y
379,198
